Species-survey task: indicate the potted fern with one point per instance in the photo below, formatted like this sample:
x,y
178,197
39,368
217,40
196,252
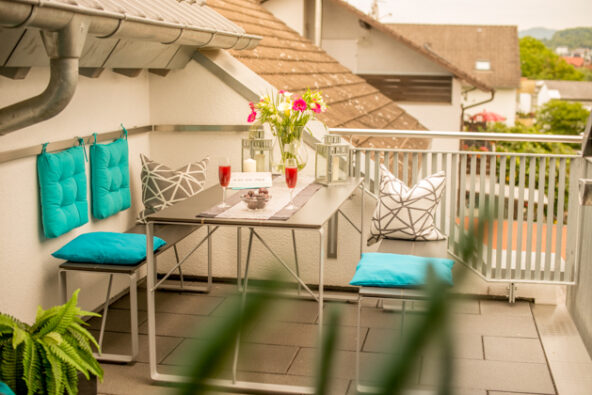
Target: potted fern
x,y
48,356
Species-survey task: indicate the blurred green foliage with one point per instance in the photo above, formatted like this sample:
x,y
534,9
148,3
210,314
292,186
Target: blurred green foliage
x,y
540,63
576,37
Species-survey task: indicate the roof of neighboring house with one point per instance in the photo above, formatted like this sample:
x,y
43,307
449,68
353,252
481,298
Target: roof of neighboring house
x,y
291,62
464,45
428,51
574,61
572,90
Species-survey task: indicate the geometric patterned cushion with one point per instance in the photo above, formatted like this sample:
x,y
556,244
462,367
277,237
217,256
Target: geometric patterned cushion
x,y
62,190
110,186
407,213
162,187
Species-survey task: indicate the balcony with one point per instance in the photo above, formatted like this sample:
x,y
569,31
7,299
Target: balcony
x,y
513,314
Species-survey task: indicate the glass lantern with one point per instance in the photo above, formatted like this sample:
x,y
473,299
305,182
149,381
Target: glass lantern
x,y
256,152
332,161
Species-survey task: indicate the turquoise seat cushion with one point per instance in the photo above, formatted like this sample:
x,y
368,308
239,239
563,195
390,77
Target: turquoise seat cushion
x,y
62,188
377,269
108,248
5,389
109,164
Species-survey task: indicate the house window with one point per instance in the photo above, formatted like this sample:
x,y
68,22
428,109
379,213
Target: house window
x,y
413,88
482,65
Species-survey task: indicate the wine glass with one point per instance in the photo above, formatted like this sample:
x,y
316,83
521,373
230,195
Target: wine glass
x,y
224,178
291,172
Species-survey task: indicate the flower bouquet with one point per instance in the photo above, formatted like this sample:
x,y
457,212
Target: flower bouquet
x,y
287,115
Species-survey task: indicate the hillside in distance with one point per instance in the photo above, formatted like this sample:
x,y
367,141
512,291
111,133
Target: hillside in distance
x,y
540,33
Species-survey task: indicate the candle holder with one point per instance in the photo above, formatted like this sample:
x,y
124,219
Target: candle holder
x,y
332,161
256,152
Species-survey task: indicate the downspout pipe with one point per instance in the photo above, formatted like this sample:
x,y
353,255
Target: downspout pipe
x,y
463,108
64,48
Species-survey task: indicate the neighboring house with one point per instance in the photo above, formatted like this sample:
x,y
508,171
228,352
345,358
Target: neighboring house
x,y
291,62
423,82
573,91
575,61
489,53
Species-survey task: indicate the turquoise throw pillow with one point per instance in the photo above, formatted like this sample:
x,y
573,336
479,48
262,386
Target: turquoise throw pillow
x,y
377,269
109,167
107,247
62,188
5,389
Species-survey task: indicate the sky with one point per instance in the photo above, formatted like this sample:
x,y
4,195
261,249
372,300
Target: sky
x,y
553,14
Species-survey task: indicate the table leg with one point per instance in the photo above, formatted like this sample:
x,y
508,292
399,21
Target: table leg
x,y
321,280
296,259
150,282
362,220
239,250
209,259
243,301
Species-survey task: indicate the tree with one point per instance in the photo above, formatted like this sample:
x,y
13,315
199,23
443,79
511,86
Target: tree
x,y
577,37
540,63
560,117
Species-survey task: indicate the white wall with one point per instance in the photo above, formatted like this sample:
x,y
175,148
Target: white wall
x,y
28,272
290,12
504,103
438,116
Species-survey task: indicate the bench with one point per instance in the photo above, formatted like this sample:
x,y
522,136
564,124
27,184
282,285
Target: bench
x,y
430,249
172,234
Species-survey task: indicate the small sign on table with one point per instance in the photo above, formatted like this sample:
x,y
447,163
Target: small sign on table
x,y
242,180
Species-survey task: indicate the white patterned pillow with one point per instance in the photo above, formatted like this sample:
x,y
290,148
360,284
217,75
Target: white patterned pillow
x,y
407,213
162,187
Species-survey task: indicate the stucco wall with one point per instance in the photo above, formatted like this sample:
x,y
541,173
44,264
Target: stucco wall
x,y
504,103
290,12
28,272
579,296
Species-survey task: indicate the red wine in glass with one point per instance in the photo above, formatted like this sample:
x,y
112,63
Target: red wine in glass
x,y
224,175
224,172
291,173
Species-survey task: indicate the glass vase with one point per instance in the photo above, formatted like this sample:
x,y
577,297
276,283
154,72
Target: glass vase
x,y
289,144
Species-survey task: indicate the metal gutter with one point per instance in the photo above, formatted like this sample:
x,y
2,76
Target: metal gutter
x,y
64,48
51,15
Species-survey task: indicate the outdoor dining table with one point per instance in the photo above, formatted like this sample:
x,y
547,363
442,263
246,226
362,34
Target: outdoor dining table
x,y
312,216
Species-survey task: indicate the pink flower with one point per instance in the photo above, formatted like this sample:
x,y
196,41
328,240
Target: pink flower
x,y
299,105
281,91
252,117
316,107
252,106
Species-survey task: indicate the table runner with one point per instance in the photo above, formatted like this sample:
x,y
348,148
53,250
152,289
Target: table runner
x,y
275,209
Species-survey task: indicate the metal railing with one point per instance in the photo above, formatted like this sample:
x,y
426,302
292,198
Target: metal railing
x,y
531,237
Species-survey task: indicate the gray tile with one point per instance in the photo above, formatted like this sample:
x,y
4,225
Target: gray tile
x,y
505,308
117,320
493,375
303,335
494,325
120,343
263,358
372,317
509,393
345,364
466,306
285,310
178,325
131,379
175,302
336,386
572,378
513,349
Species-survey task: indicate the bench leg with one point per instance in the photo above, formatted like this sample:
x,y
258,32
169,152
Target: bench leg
x,y
180,269
358,340
63,286
134,314
105,311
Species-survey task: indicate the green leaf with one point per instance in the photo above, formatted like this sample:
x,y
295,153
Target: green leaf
x,y
18,337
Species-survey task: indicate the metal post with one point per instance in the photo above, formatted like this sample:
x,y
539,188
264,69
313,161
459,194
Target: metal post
x,y
297,267
321,279
134,313
63,285
105,311
180,270
239,250
209,259
150,281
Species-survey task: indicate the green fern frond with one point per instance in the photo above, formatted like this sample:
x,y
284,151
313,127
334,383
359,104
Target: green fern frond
x,y
75,328
18,336
54,337
8,366
53,375
62,319
66,357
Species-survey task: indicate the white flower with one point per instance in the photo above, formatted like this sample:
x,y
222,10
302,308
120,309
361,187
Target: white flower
x,y
284,106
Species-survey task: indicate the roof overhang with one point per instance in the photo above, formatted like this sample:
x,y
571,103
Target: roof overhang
x,y
182,22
